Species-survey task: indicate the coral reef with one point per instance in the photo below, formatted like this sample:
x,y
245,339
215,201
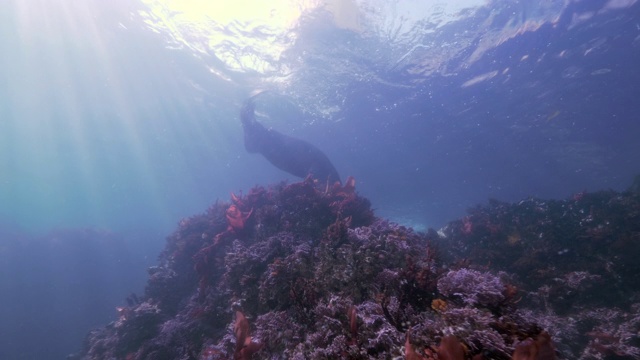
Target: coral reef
x,y
295,271
574,263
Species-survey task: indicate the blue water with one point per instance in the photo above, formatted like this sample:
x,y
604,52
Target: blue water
x,y
113,125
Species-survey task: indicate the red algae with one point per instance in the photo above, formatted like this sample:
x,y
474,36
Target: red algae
x,y
320,276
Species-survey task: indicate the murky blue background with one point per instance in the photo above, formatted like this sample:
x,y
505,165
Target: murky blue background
x,y
114,126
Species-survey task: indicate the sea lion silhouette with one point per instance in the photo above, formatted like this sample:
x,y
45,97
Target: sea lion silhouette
x,y
295,156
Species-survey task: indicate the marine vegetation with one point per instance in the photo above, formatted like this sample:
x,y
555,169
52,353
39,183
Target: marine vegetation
x,y
302,271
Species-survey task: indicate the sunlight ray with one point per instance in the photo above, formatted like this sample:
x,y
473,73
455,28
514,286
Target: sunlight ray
x,y
69,105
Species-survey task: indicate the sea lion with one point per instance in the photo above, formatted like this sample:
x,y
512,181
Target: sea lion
x,y
295,156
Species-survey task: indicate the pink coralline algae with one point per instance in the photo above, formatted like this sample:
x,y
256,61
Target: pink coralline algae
x,y
300,271
473,287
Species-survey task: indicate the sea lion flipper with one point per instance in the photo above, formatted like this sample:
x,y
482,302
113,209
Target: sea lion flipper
x,y
247,113
253,130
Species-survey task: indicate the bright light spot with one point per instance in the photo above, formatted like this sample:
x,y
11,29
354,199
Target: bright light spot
x,y
244,34
480,78
252,35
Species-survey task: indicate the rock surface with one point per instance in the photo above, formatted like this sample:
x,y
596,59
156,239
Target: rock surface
x,y
296,272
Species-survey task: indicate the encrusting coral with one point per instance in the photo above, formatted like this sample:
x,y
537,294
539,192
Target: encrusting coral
x,y
310,273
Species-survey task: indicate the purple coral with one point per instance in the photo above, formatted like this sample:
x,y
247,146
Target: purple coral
x,y
316,283
473,287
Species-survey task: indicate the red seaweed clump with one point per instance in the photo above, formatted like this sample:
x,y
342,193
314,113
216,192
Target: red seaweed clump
x,y
295,271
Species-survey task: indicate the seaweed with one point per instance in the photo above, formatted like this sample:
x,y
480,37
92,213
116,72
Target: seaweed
x,y
302,272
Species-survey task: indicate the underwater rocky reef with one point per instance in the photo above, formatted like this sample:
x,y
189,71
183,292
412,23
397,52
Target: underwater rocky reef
x,y
297,271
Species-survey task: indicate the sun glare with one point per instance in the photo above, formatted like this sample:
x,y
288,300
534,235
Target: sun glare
x,y
252,34
205,27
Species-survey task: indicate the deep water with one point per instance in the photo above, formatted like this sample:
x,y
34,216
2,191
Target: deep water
x,y
57,286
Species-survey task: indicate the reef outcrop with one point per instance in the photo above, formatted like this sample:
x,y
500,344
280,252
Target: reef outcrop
x,y
292,271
